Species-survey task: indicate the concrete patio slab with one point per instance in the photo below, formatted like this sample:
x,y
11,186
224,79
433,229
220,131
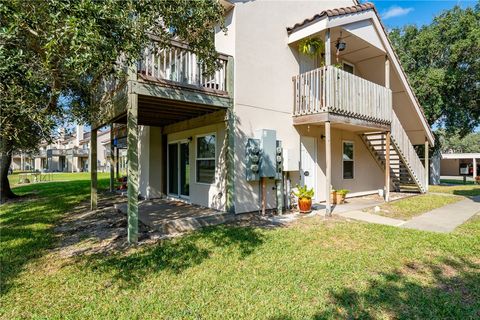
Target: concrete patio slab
x,y
172,216
447,218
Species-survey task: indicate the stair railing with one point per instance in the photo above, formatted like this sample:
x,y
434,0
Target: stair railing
x,y
407,152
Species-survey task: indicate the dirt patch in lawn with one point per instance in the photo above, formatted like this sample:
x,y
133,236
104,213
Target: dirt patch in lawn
x,y
90,232
86,232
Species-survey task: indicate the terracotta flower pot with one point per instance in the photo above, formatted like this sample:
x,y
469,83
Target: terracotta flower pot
x,y
333,197
304,205
340,198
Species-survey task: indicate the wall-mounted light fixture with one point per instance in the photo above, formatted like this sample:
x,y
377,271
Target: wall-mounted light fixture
x,y
340,45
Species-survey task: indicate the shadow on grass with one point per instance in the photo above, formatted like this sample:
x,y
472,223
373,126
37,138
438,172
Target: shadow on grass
x,y
177,255
27,224
449,289
468,192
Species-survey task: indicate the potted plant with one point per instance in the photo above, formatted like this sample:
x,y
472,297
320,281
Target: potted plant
x,y
333,196
310,46
304,196
341,194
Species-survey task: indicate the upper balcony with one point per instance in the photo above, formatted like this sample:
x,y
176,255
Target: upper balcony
x,y
178,66
329,92
171,86
347,79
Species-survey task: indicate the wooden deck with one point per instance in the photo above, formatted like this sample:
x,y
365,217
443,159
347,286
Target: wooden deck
x,y
170,87
331,94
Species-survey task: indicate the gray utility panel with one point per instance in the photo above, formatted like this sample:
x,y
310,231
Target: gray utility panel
x,y
264,156
268,145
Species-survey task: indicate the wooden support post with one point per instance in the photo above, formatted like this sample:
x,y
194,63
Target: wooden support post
x,y
132,167
427,175
279,189
387,72
387,166
230,153
263,181
328,168
328,51
475,173
230,163
117,162
93,169
112,162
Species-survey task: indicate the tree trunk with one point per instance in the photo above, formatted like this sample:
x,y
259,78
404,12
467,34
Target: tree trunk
x,y
5,162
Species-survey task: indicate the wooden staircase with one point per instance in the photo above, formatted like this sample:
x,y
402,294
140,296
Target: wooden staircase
x,y
406,169
399,174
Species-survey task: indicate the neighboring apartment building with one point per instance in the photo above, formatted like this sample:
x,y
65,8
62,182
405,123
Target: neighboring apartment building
x,y
67,153
341,117
460,164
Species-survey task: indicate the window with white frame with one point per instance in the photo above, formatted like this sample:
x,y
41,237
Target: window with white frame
x,y
348,162
205,159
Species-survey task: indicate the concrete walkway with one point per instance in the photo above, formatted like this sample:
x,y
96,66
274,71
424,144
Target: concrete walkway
x,y
371,218
447,218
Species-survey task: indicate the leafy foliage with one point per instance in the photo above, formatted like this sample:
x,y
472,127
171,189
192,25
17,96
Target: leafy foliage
x,y
53,55
304,193
454,143
310,46
343,192
442,62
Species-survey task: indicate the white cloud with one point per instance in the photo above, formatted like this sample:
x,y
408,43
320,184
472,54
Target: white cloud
x,y
395,11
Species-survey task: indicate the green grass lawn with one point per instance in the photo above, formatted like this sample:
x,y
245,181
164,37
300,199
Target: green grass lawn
x,y
456,181
314,269
460,190
407,208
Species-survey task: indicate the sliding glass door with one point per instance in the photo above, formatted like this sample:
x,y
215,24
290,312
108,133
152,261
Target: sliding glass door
x,y
179,169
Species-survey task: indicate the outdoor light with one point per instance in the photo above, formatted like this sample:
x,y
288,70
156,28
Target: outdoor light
x,y
340,45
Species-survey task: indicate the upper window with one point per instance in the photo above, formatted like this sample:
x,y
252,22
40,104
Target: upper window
x,y
205,161
348,67
348,161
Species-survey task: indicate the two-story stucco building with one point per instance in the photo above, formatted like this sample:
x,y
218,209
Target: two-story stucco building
x,y
345,117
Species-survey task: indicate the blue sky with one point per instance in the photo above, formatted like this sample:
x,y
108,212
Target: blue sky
x,y
399,13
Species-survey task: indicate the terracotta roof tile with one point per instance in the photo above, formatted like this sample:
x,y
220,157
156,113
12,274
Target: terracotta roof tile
x,y
334,12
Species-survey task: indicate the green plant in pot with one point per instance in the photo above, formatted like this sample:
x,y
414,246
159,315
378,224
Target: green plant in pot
x,y
304,196
341,194
310,47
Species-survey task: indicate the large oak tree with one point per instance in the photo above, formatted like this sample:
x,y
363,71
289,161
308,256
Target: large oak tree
x,y
442,61
53,54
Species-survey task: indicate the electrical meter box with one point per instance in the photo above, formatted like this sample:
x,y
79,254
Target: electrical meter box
x,y
268,145
253,158
279,161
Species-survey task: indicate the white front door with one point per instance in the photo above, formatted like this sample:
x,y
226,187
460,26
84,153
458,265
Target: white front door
x,y
308,160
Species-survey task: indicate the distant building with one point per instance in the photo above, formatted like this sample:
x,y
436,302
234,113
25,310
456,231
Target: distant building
x,y
459,164
67,153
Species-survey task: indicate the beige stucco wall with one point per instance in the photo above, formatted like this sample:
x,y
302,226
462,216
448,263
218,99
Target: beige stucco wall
x,y
150,162
368,177
264,66
450,167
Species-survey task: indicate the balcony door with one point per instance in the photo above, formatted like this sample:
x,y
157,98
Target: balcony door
x,y
179,169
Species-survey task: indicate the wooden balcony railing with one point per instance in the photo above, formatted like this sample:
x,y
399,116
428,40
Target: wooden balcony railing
x,y
181,66
330,89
